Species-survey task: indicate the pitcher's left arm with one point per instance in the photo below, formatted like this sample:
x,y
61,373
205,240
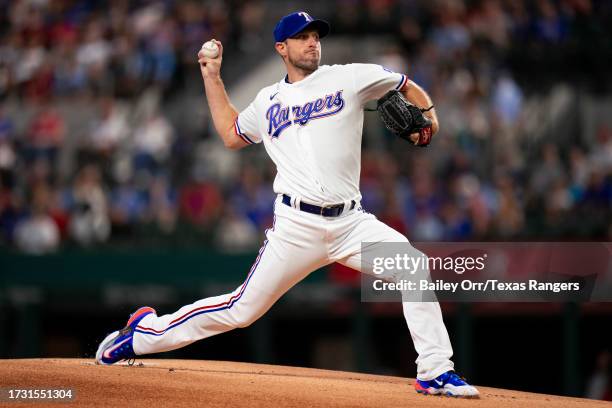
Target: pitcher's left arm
x,y
419,97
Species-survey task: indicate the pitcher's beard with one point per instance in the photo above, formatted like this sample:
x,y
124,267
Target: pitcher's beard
x,y
306,65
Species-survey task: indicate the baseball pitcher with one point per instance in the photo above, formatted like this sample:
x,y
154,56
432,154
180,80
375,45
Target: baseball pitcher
x,y
310,123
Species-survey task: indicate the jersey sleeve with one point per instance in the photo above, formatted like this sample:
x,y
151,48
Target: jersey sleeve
x,y
246,125
373,81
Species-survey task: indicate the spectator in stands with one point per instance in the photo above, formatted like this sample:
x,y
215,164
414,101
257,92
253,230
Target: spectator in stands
x,y
236,233
107,134
94,54
152,143
549,170
162,205
128,206
37,233
11,212
200,203
8,156
88,207
45,135
509,220
251,198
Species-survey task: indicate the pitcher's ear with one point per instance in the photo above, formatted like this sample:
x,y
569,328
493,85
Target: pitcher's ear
x,y
281,48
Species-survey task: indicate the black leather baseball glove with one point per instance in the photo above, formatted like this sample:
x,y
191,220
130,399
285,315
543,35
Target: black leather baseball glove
x,y
403,118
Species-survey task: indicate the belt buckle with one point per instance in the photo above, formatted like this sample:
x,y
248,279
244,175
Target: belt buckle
x,y
323,208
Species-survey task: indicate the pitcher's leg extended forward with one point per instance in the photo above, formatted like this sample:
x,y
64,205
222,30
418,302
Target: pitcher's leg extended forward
x,y
274,272
292,250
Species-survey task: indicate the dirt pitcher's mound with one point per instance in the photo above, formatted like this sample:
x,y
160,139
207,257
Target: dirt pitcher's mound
x,y
181,383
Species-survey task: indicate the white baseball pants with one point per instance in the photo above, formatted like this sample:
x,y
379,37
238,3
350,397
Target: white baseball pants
x,y
297,244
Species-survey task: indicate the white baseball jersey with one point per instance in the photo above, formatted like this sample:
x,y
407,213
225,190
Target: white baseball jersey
x,y
311,129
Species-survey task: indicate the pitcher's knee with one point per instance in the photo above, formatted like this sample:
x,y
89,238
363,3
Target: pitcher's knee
x,y
245,318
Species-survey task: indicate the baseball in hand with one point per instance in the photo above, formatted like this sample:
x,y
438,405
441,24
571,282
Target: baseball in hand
x,y
210,49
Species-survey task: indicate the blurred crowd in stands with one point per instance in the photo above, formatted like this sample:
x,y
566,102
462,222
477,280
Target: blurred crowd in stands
x,y
127,173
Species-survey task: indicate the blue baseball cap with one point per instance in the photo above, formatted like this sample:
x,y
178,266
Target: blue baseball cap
x,y
293,23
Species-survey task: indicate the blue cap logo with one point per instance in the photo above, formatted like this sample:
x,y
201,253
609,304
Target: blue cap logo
x,y
305,15
293,23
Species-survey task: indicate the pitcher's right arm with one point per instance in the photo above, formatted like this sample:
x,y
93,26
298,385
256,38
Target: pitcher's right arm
x,y
224,114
